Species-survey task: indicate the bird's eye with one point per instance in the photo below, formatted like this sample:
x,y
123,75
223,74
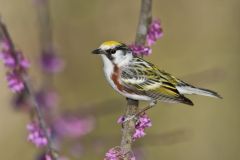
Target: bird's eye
x,y
112,51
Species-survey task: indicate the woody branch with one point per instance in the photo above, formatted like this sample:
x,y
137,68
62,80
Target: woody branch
x,y
132,105
29,91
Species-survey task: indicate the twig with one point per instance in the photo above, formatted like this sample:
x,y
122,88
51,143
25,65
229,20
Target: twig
x,y
29,91
43,13
145,19
46,36
46,44
132,105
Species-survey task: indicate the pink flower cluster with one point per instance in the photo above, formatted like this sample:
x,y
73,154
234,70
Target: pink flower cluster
x,y
15,81
45,156
16,63
48,157
139,50
47,98
73,127
154,33
142,123
51,62
36,135
117,154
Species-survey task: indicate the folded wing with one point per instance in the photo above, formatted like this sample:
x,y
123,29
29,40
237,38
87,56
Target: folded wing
x,y
144,78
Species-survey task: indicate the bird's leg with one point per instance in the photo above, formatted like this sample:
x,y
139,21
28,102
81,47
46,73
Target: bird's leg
x,y
151,104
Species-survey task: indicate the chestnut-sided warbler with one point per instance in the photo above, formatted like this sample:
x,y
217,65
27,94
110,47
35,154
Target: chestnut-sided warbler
x,y
135,78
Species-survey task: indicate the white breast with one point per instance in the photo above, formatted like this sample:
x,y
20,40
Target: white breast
x,y
108,70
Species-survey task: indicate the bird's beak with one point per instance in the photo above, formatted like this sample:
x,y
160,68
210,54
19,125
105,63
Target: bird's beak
x,y
98,51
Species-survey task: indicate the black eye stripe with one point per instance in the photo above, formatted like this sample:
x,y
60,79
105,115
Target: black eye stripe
x,y
109,56
122,48
111,51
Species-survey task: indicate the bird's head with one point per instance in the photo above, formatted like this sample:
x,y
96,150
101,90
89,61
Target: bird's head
x,y
114,52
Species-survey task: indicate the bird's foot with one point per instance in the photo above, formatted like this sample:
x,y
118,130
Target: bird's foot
x,y
151,105
129,118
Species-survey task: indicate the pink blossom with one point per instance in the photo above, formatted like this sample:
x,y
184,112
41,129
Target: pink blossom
x,y
36,135
47,98
117,154
48,157
5,45
45,156
142,123
139,132
139,50
154,32
23,61
74,127
120,120
8,60
113,154
51,63
16,64
15,82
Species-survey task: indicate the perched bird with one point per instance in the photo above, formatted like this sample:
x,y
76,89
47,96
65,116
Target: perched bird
x,y
135,78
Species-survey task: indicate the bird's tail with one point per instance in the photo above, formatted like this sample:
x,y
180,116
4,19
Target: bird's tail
x,y
188,89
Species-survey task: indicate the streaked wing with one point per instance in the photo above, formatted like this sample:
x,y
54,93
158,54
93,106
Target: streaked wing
x,y
142,77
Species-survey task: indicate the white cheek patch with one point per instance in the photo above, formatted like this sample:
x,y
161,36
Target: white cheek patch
x,y
118,57
121,58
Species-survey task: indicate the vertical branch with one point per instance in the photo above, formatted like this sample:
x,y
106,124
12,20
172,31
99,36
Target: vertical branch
x,y
48,56
145,19
29,91
43,13
129,128
45,35
132,105
46,46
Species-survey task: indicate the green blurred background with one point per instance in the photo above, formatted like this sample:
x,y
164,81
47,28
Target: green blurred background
x,y
200,45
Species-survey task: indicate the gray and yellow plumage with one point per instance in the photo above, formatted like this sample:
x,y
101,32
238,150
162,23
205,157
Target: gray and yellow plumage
x,y
138,79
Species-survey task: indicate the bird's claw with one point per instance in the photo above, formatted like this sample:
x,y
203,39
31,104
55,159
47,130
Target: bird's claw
x,y
129,118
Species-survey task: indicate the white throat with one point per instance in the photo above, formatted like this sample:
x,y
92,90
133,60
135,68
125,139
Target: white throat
x,y
109,69
121,58
107,65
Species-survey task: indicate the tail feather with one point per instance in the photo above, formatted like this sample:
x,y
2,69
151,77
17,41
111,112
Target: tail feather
x,y
185,100
187,89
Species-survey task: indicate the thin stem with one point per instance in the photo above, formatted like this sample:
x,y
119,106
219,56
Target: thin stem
x,y
41,119
46,36
129,128
145,19
29,91
132,105
47,48
43,13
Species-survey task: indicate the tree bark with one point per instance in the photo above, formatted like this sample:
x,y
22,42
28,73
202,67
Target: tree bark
x,y
132,105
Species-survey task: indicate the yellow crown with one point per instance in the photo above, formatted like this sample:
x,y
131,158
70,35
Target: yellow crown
x,y
111,43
